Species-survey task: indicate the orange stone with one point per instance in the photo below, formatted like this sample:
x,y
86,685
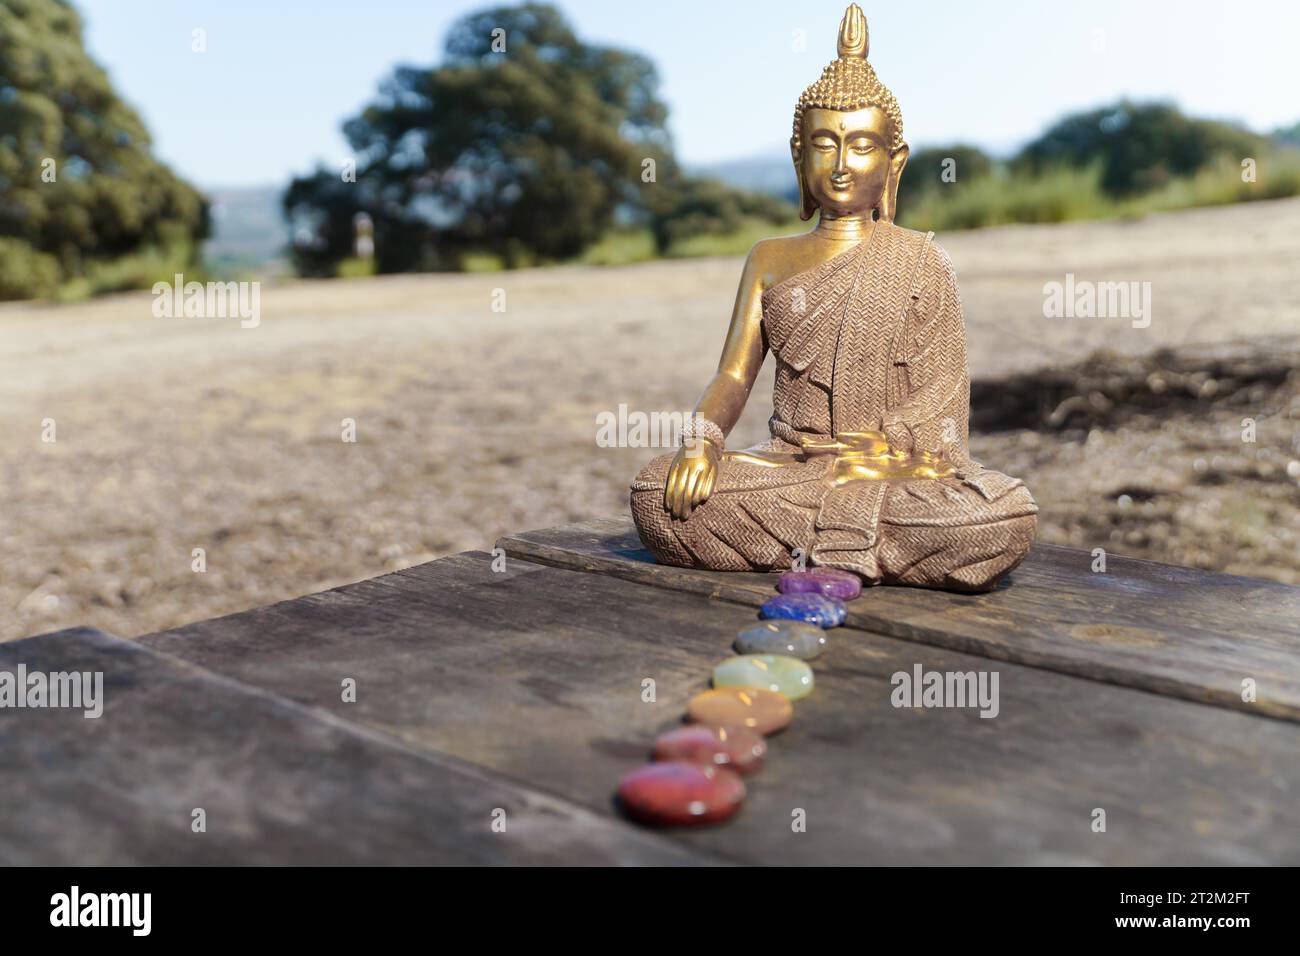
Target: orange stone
x,y
753,707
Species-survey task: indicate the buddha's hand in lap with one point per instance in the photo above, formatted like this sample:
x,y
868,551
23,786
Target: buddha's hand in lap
x,y
899,437
691,477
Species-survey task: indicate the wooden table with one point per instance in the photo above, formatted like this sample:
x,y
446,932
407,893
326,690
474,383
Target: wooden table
x,y
512,688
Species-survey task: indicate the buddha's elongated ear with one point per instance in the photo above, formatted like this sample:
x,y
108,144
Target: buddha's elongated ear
x,y
806,204
889,199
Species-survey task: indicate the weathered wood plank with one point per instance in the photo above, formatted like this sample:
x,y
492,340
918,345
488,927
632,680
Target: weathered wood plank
x,y
538,674
278,783
1156,627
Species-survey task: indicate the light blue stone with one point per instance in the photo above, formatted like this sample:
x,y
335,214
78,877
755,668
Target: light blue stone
x,y
790,638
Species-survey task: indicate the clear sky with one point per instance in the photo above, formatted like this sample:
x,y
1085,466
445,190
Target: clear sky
x,y
267,98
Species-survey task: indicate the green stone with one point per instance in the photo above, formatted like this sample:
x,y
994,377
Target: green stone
x,y
789,677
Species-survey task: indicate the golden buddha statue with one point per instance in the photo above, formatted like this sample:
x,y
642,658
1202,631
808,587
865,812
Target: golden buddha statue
x,y
867,468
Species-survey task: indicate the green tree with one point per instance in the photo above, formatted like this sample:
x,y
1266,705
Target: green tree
x,y
1140,146
523,143
78,185
929,170
688,206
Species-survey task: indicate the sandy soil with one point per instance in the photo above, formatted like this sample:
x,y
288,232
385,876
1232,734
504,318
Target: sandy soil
x,y
177,434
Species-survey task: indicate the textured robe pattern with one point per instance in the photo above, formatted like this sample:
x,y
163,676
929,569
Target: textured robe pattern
x,y
871,340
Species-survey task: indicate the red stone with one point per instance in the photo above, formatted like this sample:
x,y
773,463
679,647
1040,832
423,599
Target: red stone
x,y
673,793
735,748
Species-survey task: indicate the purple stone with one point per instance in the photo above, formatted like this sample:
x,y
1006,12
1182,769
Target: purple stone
x,y
831,582
813,608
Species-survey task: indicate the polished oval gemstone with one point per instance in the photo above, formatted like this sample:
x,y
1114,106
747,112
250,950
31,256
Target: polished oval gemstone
x,y
791,638
785,675
812,608
673,793
735,748
760,710
832,582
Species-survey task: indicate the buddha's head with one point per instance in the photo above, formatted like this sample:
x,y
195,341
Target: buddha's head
x,y
848,144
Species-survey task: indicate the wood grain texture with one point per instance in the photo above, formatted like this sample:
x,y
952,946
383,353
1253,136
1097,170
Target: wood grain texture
x,y
279,784
536,674
1156,627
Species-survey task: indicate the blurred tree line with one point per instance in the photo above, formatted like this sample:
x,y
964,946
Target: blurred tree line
x,y
79,188
1122,159
528,145
525,143
1140,147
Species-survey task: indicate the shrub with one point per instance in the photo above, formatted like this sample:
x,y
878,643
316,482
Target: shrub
x,y
26,273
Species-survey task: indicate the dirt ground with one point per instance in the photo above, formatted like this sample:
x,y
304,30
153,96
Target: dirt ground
x,y
178,434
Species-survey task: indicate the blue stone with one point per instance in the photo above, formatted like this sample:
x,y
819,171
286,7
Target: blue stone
x,y
813,608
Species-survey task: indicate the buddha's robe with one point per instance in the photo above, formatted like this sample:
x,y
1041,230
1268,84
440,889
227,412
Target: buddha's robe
x,y
871,340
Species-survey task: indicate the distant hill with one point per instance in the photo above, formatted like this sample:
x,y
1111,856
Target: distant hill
x,y
248,229
1288,136
770,172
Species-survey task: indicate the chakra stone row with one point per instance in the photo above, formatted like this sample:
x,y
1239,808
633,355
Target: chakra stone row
x,y
696,774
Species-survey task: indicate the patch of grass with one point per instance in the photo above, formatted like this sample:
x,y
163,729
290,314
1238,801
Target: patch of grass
x,y
1276,176
621,247
734,243
356,268
139,270
996,199
482,262
1065,194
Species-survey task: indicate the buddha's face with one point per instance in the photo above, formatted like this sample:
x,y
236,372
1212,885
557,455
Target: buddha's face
x,y
845,159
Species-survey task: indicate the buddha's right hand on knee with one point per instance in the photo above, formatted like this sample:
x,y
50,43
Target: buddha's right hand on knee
x,y
691,477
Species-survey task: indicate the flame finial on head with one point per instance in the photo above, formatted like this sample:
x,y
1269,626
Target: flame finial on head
x,y
854,39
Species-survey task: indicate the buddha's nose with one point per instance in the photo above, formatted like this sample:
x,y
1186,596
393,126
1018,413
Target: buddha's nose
x,y
842,170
